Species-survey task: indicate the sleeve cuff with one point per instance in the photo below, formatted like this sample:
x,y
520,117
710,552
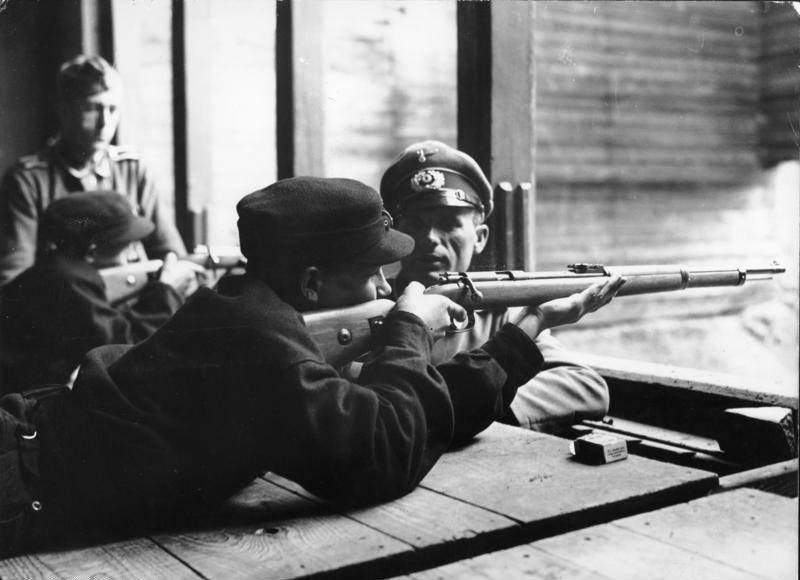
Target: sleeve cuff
x,y
407,329
518,355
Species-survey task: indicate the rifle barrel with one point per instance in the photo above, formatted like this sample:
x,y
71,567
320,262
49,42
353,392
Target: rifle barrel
x,y
503,289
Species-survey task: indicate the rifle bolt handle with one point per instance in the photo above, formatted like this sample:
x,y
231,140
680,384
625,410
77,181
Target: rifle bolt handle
x,y
344,336
130,280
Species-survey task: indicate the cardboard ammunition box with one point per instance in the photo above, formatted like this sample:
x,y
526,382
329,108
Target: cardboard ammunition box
x,y
599,448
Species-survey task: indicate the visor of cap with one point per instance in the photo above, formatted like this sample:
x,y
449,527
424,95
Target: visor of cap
x,y
392,247
128,230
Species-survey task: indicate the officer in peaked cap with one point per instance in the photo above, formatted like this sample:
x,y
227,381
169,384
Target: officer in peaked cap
x,y
431,173
441,198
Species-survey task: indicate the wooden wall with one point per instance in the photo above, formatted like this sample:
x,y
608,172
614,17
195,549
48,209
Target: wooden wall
x,y
647,92
27,78
647,137
780,82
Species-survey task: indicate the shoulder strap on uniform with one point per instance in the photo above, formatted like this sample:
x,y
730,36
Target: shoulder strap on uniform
x,y
34,161
122,152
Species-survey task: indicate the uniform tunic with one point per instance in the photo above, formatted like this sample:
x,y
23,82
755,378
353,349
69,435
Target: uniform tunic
x,y
36,180
55,312
234,385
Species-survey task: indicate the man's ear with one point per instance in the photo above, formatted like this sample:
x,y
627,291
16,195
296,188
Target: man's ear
x,y
481,237
310,284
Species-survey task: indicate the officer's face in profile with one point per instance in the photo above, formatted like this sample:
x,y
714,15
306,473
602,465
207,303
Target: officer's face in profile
x,y
347,284
88,124
445,239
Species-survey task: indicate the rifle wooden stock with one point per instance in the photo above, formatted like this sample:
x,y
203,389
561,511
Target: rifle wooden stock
x,y
125,282
344,334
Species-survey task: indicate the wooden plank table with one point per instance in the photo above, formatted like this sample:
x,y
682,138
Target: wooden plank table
x,y
508,487
745,533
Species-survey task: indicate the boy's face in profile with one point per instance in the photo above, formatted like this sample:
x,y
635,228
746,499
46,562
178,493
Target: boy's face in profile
x,y
350,284
109,255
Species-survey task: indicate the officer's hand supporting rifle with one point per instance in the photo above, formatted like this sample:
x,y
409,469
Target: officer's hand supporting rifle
x,y
569,309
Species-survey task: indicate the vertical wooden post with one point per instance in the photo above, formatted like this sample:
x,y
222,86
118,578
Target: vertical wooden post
x,y
191,106
474,70
496,111
126,26
96,28
299,70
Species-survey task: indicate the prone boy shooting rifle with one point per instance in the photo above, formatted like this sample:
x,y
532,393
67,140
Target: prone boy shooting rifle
x,y
344,334
125,282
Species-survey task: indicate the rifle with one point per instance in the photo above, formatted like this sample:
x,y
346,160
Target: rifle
x,y
344,334
125,282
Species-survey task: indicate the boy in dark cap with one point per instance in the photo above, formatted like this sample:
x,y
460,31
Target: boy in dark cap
x,y
57,310
234,385
82,158
441,198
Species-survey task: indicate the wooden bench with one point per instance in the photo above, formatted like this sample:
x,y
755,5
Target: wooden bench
x,y
508,487
737,534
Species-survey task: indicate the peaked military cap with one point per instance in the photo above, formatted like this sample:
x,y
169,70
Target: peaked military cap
x,y
431,173
99,217
322,219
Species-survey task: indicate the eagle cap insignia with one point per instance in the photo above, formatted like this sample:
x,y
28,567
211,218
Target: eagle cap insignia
x,y
427,179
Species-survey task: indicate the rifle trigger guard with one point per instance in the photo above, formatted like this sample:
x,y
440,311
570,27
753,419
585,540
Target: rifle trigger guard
x,y
470,324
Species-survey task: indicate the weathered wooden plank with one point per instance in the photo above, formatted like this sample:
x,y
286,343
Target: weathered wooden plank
x,y
621,153
703,381
569,53
288,536
138,559
760,530
780,478
551,489
623,80
622,554
586,100
654,433
521,562
649,22
675,542
675,174
422,518
603,118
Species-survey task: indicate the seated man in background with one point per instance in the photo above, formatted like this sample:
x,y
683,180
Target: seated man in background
x,y
234,385
57,310
81,159
442,198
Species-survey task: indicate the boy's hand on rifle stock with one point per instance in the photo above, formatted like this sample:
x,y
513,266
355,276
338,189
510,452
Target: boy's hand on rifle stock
x,y
180,274
570,309
436,312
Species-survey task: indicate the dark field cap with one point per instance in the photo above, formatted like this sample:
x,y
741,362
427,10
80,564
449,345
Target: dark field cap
x,y
431,174
321,219
99,217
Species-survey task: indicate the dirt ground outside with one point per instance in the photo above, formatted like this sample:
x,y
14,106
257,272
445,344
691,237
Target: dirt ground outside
x,y
760,342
